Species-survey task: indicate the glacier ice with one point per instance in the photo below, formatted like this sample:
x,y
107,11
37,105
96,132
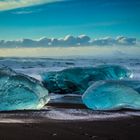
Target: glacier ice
x,y
112,95
20,92
78,79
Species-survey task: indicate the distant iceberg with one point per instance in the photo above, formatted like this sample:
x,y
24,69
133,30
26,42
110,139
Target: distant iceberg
x,y
113,95
20,92
78,79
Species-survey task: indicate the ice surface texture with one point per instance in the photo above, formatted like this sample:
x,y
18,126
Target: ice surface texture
x,y
20,92
113,95
78,79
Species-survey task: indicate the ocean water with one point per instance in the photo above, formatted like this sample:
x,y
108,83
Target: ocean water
x,y
34,67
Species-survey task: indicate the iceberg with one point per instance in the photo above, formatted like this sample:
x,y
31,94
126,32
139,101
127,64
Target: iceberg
x,y
112,95
78,79
20,92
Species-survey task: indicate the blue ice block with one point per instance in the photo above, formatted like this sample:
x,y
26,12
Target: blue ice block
x,y
78,79
20,92
104,95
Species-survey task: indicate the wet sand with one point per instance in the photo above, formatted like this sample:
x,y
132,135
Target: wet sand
x,y
126,129
37,125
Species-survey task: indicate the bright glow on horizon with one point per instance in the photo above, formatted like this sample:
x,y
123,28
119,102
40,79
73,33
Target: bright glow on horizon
x,y
71,51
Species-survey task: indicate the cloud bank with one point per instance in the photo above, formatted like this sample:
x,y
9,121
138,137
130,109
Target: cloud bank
x,y
13,4
70,41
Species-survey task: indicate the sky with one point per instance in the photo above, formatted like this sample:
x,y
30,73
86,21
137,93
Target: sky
x,y
71,52
57,18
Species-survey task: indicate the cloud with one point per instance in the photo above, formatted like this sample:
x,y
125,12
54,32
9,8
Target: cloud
x,y
126,41
71,41
78,41
104,41
23,12
13,4
121,40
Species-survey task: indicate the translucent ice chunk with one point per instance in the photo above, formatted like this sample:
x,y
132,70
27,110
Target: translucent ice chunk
x,y
111,96
78,79
19,92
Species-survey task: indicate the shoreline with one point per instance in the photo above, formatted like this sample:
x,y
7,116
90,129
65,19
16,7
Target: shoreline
x,y
78,123
118,129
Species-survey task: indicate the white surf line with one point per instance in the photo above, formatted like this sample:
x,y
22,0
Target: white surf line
x,y
81,114
66,115
12,120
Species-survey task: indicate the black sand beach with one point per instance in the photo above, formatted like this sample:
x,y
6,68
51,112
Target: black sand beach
x,y
37,125
126,129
